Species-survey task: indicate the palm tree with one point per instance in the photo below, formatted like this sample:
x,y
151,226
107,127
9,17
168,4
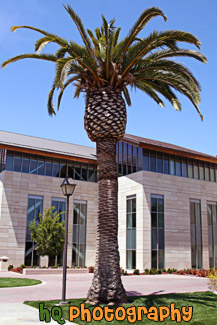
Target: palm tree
x,y
103,68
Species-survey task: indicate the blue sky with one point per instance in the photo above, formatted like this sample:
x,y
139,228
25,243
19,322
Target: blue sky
x,y
25,84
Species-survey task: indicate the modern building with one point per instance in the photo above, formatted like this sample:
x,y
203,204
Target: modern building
x,y
167,201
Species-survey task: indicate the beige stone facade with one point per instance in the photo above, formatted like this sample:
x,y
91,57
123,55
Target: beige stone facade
x,y
14,190
177,192
133,154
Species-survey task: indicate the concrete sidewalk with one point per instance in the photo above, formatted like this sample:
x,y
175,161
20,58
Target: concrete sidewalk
x,y
13,311
20,314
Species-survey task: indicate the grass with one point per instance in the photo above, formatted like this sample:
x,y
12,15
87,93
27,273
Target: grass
x,y
204,307
14,282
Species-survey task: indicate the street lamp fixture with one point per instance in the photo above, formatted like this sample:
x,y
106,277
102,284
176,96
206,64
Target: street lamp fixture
x,y
67,189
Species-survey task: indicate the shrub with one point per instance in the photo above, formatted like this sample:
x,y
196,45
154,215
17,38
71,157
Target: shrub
x,y
125,273
91,269
67,267
182,272
153,271
122,271
174,270
44,267
164,270
159,271
202,273
33,267
55,266
10,267
146,271
136,272
212,282
17,269
170,271
23,266
194,272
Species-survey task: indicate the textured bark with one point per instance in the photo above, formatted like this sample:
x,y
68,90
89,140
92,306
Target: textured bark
x,y
107,286
105,122
105,114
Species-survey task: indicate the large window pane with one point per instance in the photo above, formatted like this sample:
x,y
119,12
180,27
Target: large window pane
x,y
35,207
48,168
178,168
131,232
172,167
196,234
17,163
184,169
25,164
157,231
9,162
79,233
153,164
166,166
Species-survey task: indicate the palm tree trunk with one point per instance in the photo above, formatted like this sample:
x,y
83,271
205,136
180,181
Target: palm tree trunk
x,y
107,286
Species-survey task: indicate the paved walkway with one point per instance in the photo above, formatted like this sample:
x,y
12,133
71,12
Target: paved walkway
x,y
12,311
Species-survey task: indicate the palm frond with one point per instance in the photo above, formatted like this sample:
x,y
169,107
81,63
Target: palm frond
x,y
145,17
106,30
154,41
180,52
81,30
127,96
150,92
50,105
46,57
60,40
69,82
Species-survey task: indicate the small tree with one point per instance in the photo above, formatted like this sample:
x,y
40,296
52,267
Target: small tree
x,y
48,233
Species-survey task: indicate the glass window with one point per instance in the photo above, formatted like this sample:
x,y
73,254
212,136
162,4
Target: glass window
x,y
146,162
184,169
131,232
159,165
157,231
196,234
178,168
33,165
134,159
140,159
153,164
59,205
212,234
166,166
48,167
17,163
196,172
79,233
35,207
56,168
63,169
91,177
201,172
84,172
190,170
41,167
25,164
172,167
212,174
10,161
207,173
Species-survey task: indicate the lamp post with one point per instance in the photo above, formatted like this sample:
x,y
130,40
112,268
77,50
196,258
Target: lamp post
x,y
67,190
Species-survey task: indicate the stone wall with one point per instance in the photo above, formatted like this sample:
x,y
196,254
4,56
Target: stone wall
x,y
177,192
14,190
